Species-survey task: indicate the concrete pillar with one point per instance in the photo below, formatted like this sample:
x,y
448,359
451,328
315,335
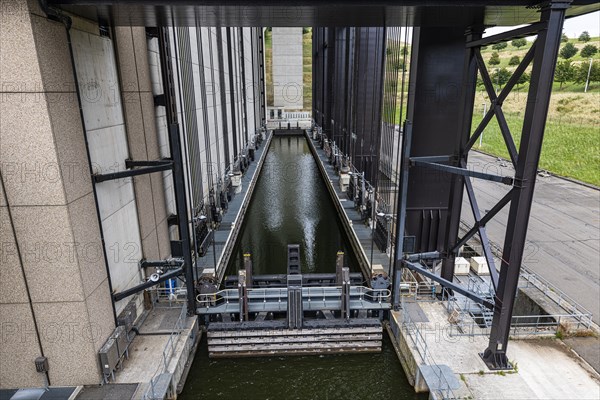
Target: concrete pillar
x,y
287,68
55,297
140,121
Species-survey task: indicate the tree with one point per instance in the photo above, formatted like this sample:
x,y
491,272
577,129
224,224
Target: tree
x,y
306,30
568,51
588,51
518,43
499,46
582,72
494,59
584,37
500,77
514,60
524,78
564,38
564,72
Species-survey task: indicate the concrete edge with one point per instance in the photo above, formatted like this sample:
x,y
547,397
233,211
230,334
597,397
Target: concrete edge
x,y
363,260
238,222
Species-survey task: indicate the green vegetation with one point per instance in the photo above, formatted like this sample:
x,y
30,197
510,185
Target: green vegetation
x,y
568,51
307,66
572,137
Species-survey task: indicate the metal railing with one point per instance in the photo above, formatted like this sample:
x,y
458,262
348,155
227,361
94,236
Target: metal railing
x,y
551,291
309,293
464,323
413,331
167,353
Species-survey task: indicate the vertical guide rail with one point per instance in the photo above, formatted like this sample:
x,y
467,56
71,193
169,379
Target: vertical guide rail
x,y
536,111
456,186
176,155
401,212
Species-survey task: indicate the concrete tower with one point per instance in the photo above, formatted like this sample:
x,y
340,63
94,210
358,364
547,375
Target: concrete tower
x,y
287,68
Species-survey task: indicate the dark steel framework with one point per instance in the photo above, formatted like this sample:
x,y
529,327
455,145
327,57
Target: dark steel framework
x,y
448,159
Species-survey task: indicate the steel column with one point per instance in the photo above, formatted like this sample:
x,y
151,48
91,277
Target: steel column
x,y
536,111
178,173
401,213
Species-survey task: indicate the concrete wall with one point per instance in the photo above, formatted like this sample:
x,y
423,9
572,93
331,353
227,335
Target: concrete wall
x,y
55,298
287,68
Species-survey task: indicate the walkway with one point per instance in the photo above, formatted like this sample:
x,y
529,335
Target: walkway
x,y
226,234
363,232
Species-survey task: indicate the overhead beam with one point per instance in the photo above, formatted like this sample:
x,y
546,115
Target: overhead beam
x,y
518,33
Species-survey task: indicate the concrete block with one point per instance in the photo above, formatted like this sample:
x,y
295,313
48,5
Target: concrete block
x,y
20,70
18,348
98,78
48,252
68,341
125,50
11,275
479,265
461,266
149,119
100,310
150,249
136,139
54,56
144,204
158,196
140,44
30,167
86,233
69,139
123,246
164,245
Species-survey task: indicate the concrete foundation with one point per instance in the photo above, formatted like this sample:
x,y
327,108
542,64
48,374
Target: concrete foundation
x,y
544,368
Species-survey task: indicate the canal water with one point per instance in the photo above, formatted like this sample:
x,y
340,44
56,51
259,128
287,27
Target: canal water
x,y
377,376
291,205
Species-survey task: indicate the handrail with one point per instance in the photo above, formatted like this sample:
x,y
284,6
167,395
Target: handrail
x,y
550,290
168,351
310,293
414,333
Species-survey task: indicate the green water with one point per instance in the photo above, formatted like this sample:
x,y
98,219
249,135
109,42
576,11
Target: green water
x,y
377,376
291,205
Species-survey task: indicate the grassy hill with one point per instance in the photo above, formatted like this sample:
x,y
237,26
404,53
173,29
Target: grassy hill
x,y
572,138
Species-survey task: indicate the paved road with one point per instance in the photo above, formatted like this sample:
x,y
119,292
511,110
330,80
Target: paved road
x,y
564,230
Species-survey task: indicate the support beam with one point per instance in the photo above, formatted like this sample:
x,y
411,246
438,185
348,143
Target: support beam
x,y
401,213
131,172
177,157
518,33
148,284
536,112
447,284
507,180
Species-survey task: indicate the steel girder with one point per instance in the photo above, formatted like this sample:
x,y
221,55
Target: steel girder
x,y
454,175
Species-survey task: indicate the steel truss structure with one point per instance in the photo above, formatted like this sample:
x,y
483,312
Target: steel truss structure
x,y
453,167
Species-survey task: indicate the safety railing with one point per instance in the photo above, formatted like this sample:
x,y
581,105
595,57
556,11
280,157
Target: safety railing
x,y
153,391
169,297
530,279
575,309
309,293
464,323
418,339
